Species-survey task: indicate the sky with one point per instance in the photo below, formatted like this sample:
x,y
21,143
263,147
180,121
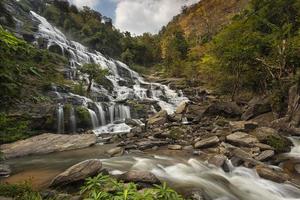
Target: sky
x,y
137,16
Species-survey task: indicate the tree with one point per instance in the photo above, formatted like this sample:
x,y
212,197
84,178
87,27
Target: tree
x,y
94,72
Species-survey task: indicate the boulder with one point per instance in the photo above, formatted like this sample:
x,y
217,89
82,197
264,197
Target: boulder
x,y
4,170
47,143
77,172
242,139
139,177
244,156
256,107
158,119
182,107
265,155
272,138
208,142
263,147
244,126
118,151
225,109
174,147
142,145
272,174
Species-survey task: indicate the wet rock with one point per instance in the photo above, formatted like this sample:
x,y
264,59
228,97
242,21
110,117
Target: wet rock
x,y
188,148
194,111
77,172
256,107
4,170
265,155
208,142
225,109
272,174
47,143
158,119
118,151
217,160
139,177
243,126
244,156
241,139
174,147
264,146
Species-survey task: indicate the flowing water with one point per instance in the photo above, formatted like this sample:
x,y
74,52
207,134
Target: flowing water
x,y
60,119
72,120
182,173
127,84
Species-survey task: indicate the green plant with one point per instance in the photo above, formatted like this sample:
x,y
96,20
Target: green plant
x,y
94,183
166,193
21,191
98,195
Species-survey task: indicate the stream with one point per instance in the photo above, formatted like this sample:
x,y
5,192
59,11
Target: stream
x,y
185,174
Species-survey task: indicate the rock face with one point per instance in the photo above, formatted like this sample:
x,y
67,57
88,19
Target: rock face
x,y
257,106
47,143
225,109
158,119
139,177
242,139
77,172
207,142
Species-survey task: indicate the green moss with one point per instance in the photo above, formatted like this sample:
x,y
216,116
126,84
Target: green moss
x,y
176,133
83,117
278,143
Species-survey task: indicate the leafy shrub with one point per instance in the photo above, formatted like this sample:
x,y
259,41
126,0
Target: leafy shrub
x,y
19,191
12,130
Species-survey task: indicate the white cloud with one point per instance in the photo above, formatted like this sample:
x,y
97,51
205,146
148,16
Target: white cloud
x,y
89,3
140,16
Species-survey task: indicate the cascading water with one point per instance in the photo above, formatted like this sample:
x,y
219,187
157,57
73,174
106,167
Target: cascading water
x,y
295,151
134,88
101,114
192,175
94,119
72,120
60,119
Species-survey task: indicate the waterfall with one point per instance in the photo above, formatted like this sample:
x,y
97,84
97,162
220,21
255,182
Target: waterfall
x,y
124,112
101,113
111,113
94,119
60,119
295,151
72,120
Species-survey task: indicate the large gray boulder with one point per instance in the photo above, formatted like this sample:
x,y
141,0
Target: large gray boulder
x,y
77,172
272,174
47,143
242,139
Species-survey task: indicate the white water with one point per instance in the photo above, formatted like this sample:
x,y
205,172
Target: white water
x,y
295,151
101,114
60,119
72,120
94,119
239,184
166,98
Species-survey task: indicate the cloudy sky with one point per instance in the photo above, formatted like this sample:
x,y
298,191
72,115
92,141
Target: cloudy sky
x,y
137,16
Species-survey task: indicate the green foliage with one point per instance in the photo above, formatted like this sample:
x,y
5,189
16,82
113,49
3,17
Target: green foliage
x,y
94,72
12,129
106,188
259,47
278,143
83,117
19,191
24,69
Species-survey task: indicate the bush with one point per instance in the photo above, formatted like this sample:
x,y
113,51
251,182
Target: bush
x,y
19,191
12,129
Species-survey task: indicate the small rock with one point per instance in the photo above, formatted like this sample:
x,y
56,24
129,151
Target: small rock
x,y
188,148
272,174
243,126
139,177
265,155
118,151
174,147
181,108
242,139
158,119
77,172
264,146
211,141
